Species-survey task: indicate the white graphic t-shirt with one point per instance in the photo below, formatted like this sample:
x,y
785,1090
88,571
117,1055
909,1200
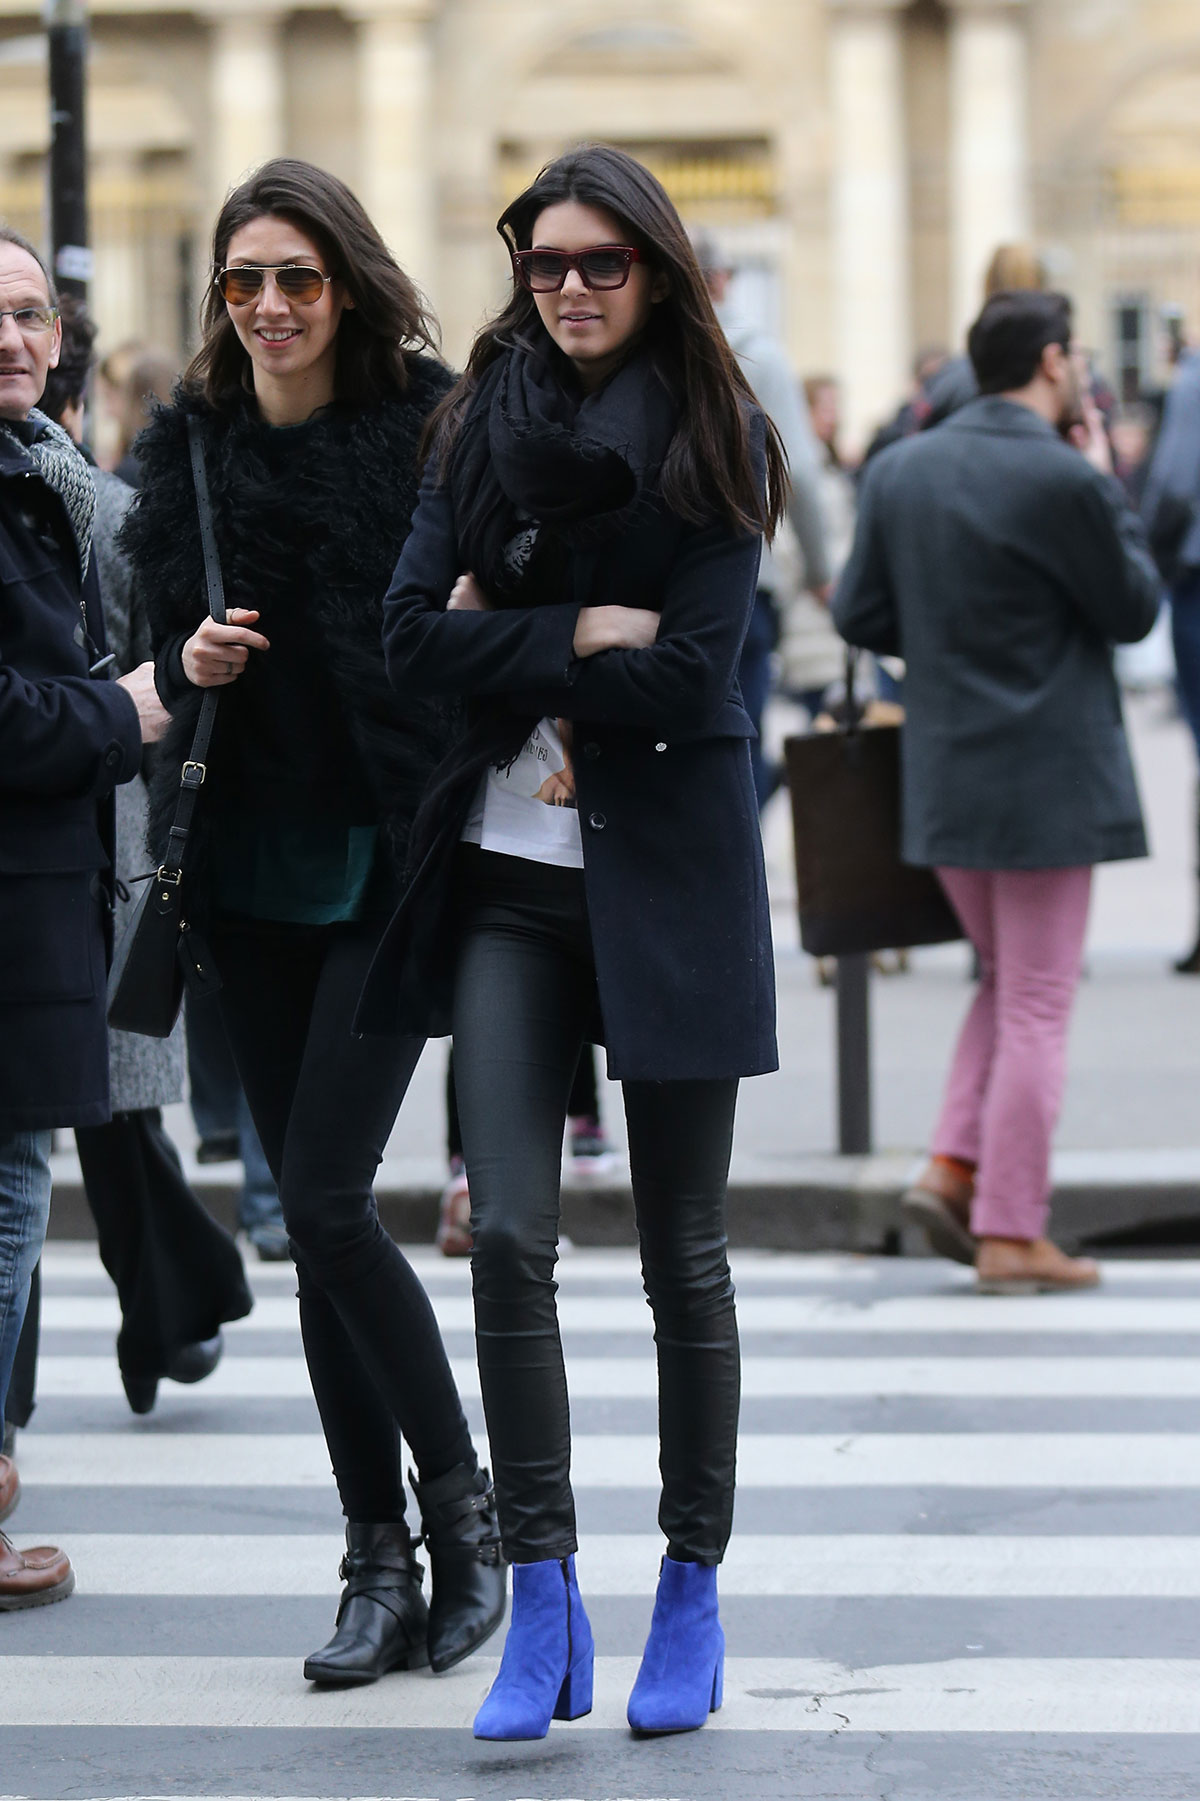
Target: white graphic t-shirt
x,y
528,810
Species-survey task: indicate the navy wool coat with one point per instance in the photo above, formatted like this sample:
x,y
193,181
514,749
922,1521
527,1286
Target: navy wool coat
x,y
1002,567
66,741
673,862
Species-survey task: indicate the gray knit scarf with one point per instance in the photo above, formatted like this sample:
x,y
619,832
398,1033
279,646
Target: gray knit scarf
x,y
62,468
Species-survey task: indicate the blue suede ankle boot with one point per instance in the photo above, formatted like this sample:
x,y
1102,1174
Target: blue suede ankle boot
x,y
546,1671
683,1665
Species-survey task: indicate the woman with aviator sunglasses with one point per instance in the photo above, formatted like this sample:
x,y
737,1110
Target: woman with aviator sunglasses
x,y
312,385
582,567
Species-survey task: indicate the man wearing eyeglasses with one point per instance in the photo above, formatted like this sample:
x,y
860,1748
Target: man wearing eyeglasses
x,y
69,735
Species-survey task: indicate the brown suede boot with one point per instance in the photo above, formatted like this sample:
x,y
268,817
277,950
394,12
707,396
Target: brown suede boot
x,y
1031,1266
940,1201
32,1578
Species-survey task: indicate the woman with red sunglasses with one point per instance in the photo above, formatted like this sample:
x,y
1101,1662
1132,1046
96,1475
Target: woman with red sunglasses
x,y
588,864
312,386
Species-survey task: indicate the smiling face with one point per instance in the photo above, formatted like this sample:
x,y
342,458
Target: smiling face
x,y
26,357
594,327
286,340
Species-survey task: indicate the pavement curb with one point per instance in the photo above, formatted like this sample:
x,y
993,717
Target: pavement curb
x,y
824,1204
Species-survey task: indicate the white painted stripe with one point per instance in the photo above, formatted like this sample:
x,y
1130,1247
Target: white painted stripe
x,y
773,1378
140,1458
626,1564
618,1313
71,1261
1019,1694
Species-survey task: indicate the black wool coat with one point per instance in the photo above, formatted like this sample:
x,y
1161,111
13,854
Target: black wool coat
x,y
324,518
66,741
673,861
1002,567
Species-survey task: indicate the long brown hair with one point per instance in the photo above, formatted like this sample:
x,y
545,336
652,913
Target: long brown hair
x,y
389,315
708,468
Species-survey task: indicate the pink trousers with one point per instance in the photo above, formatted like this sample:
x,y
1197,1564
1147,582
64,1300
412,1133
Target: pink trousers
x,y
1006,1082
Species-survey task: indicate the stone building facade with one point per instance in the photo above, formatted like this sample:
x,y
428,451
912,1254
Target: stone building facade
x,y
859,157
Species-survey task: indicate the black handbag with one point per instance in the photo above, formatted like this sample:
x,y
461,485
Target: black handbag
x,y
160,950
853,891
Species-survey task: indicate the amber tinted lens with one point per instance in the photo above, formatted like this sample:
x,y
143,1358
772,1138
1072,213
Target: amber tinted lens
x,y
542,270
240,286
605,268
303,285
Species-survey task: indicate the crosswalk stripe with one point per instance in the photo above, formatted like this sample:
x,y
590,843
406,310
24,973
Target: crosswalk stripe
x,y
763,1378
630,1460
64,1258
866,1564
611,1314
984,1694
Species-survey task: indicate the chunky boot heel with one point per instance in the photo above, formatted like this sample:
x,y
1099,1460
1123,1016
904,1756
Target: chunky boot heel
x,y
382,1620
470,1586
682,1678
546,1671
575,1695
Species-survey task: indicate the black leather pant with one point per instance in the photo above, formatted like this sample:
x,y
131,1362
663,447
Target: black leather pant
x,y
525,1002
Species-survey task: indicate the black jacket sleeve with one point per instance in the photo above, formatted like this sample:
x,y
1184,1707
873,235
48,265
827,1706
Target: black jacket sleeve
x,y
526,655
67,738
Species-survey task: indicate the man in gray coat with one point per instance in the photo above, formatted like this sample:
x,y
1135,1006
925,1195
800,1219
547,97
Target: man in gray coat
x,y
1001,562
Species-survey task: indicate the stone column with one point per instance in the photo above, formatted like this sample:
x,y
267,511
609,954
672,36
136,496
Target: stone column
x,y
246,89
395,96
871,256
118,292
990,200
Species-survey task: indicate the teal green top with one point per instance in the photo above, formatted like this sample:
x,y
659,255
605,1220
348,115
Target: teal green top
x,y
301,871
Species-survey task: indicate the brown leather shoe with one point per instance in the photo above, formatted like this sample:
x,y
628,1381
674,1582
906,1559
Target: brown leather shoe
x,y
1031,1266
32,1578
10,1487
940,1201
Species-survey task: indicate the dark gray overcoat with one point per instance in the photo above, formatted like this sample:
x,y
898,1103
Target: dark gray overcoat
x,y
66,741
1002,567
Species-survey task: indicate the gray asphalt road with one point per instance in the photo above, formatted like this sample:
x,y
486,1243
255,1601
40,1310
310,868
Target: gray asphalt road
x,y
966,1563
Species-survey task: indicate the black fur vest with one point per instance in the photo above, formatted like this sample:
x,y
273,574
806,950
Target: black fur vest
x,y
339,512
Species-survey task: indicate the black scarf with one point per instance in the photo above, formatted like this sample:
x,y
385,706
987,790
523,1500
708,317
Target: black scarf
x,y
534,450
533,447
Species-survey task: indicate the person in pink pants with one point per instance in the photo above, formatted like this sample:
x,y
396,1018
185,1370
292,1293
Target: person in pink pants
x,y
1006,1081
998,556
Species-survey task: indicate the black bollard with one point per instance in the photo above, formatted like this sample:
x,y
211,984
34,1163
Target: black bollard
x,y
854,1054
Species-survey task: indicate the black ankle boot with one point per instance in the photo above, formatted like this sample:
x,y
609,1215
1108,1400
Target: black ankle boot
x,y
382,1620
462,1536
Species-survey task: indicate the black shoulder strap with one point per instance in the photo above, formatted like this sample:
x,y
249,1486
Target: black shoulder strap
x,y
194,770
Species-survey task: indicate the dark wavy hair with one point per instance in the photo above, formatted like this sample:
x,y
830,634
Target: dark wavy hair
x,y
389,317
708,468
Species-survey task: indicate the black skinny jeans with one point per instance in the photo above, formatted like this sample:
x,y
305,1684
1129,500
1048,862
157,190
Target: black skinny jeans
x,y
324,1103
525,1002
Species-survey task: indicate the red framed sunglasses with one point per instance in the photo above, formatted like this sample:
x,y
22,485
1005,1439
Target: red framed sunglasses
x,y
603,266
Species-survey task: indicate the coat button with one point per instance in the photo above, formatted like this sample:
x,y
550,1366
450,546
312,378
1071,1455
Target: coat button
x,y
113,757
597,821
591,750
660,747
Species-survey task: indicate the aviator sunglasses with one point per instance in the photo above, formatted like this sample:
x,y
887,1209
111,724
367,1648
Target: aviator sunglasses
x,y
295,281
605,266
